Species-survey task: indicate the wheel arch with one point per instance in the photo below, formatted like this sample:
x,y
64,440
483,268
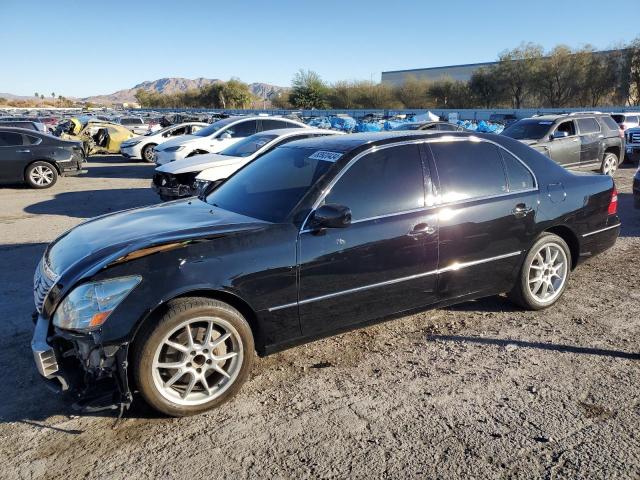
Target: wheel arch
x,y
615,149
46,160
221,295
571,239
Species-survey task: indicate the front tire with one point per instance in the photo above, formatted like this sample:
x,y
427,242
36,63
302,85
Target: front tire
x,y
609,164
194,358
41,175
147,153
544,274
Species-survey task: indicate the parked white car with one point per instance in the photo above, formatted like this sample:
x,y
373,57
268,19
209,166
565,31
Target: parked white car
x,y
218,136
178,179
142,147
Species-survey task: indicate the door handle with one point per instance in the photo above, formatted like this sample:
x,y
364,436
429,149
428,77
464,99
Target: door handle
x,y
422,229
23,151
521,210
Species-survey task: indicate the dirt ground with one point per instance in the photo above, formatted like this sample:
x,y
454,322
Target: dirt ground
x,y
480,390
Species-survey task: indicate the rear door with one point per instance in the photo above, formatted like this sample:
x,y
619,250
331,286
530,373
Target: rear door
x,y
385,261
487,203
15,155
565,150
590,140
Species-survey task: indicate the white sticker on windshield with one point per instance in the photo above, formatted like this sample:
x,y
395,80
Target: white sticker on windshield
x,y
326,156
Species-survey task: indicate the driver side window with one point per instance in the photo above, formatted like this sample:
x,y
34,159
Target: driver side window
x,y
381,183
568,127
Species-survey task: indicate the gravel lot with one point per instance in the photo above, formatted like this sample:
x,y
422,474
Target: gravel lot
x,y
477,390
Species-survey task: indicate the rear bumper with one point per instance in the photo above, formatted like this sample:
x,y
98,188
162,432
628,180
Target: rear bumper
x,y
597,241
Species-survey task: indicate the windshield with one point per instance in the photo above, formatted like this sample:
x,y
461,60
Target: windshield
x,y
160,132
528,129
271,186
214,127
248,146
408,126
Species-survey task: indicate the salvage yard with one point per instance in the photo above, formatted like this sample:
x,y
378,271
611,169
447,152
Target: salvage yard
x,y
478,390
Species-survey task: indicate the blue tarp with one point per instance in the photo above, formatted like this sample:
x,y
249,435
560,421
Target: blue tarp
x,y
344,124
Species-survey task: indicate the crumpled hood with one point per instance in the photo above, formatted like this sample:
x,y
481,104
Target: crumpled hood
x,y
197,163
179,140
98,242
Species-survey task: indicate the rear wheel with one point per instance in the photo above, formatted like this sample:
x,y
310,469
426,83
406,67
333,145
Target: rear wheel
x,y
609,164
544,274
196,357
41,175
147,153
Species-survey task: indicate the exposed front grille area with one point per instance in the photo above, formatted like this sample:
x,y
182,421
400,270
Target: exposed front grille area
x,y
43,280
634,137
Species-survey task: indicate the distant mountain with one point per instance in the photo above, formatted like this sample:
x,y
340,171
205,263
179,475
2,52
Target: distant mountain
x,y
173,85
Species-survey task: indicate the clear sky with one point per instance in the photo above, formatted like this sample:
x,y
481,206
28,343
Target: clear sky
x,y
80,48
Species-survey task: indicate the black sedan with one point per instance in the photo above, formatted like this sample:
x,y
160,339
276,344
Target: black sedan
x,y
315,237
435,125
37,158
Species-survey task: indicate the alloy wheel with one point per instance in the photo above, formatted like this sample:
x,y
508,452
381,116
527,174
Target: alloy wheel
x,y
547,272
197,361
610,165
41,175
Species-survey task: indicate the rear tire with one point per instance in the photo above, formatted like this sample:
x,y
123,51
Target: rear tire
x,y
147,153
41,175
180,373
609,164
544,274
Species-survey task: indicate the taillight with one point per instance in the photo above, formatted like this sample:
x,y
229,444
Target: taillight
x,y
613,204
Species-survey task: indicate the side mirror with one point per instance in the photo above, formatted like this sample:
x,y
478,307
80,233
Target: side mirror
x,y
559,134
331,216
224,136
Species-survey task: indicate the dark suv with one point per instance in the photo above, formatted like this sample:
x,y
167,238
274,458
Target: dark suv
x,y
575,140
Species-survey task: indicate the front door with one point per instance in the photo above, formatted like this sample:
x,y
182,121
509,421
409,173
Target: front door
x,y
384,262
488,202
565,150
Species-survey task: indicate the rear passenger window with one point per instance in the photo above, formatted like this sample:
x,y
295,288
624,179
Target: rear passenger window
x,y
468,170
517,174
276,124
243,129
385,182
30,140
10,139
611,123
588,125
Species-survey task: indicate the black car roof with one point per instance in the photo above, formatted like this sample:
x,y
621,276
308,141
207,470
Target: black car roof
x,y
354,141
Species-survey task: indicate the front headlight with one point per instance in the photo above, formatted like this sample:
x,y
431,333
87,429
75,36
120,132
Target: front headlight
x,y
89,305
174,149
200,186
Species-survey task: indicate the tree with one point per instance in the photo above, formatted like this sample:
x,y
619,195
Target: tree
x,y
308,90
560,75
487,87
41,96
447,93
236,94
414,93
601,78
36,95
516,68
633,75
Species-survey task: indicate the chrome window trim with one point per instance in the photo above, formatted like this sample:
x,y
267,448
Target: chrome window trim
x,y
453,267
601,230
438,203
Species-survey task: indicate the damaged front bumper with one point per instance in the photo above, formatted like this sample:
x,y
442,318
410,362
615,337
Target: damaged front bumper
x,y
175,191
93,376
